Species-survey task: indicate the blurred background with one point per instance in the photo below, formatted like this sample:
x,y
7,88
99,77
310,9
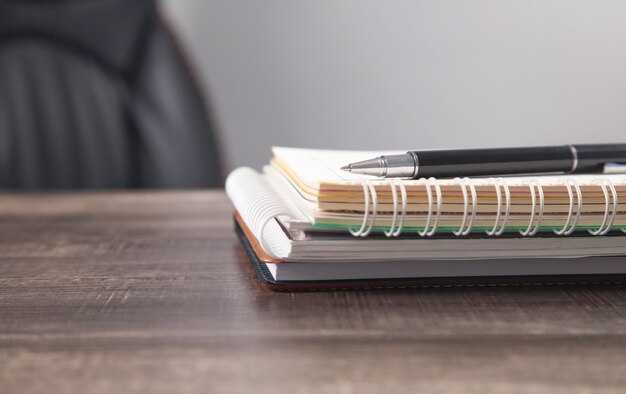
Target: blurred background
x,y
407,74
175,94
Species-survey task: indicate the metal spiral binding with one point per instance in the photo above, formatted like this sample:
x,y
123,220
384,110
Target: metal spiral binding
x,y
366,229
426,232
569,227
533,228
500,183
623,181
433,218
607,222
465,183
393,231
263,216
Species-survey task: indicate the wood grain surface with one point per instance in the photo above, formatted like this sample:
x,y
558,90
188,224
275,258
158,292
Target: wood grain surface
x,y
150,292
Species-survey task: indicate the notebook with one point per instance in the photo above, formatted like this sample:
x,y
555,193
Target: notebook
x,y
314,225
337,199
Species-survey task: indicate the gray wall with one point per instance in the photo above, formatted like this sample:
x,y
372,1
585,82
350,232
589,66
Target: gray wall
x,y
369,74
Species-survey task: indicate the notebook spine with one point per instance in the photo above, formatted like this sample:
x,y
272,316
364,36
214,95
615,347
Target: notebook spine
x,y
470,208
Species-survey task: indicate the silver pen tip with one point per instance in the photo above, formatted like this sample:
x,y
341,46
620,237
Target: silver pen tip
x,y
347,168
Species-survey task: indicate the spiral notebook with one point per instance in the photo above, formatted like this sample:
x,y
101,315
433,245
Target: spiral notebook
x,y
334,199
313,223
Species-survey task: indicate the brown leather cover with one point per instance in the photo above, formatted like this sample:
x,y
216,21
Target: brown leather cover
x,y
257,257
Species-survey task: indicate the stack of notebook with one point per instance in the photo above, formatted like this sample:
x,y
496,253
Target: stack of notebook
x,y
304,223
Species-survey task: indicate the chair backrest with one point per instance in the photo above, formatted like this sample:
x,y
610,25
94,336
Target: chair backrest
x,y
95,94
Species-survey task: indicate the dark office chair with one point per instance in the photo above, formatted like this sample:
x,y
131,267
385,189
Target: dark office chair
x,y
94,94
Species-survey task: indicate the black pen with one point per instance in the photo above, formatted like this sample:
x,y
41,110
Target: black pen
x,y
498,161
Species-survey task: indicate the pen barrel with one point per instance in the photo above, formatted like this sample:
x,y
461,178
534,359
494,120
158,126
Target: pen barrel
x,y
592,158
501,161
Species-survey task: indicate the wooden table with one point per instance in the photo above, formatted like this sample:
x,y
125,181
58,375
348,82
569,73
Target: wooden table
x,y
150,292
